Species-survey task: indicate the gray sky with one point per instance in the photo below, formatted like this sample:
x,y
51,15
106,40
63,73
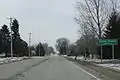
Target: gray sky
x,y
46,19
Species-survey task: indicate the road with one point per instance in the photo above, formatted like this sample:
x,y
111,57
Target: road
x,y
53,68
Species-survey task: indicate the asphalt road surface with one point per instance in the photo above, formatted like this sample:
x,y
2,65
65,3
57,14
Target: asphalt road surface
x,y
53,68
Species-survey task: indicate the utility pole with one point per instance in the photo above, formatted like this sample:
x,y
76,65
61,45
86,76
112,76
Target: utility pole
x,y
39,49
11,36
29,42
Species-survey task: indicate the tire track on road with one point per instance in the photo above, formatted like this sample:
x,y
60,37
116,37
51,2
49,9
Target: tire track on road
x,y
22,73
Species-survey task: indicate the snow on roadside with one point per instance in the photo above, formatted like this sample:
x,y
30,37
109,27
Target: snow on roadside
x,y
37,57
73,57
65,55
99,60
90,60
55,54
6,60
110,65
81,58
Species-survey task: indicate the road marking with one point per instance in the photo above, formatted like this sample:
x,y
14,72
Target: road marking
x,y
84,71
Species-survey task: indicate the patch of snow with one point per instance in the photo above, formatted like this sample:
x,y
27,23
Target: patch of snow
x,y
6,60
1,59
65,55
73,57
81,58
110,65
55,54
91,60
94,60
36,57
2,54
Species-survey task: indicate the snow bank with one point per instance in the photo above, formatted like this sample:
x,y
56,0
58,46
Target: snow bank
x,y
91,60
81,58
113,66
99,60
36,57
65,55
6,60
73,57
107,62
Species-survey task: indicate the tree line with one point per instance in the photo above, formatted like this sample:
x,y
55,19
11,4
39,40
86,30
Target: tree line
x,y
20,47
42,49
97,19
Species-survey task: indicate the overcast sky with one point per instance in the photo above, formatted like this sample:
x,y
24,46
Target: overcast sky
x,y
48,20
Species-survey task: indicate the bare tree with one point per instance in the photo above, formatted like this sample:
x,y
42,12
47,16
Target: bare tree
x,y
92,14
86,41
50,50
62,45
115,5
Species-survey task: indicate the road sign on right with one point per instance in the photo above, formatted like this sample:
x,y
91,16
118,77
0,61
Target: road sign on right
x,y
103,42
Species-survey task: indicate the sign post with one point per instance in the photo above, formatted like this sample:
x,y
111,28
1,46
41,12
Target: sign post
x,y
101,54
113,52
111,42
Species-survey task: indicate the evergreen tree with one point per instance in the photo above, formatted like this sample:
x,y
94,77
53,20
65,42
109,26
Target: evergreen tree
x,y
40,51
15,37
20,47
1,42
23,48
113,27
15,29
5,39
112,32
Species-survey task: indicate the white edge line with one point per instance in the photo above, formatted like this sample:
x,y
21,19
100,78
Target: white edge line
x,y
84,71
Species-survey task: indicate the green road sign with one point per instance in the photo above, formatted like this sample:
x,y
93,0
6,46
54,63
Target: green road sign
x,y
108,42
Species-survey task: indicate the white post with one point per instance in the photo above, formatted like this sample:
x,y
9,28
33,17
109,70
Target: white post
x,y
113,52
101,54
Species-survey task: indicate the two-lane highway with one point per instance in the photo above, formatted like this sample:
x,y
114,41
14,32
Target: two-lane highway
x,y
55,68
